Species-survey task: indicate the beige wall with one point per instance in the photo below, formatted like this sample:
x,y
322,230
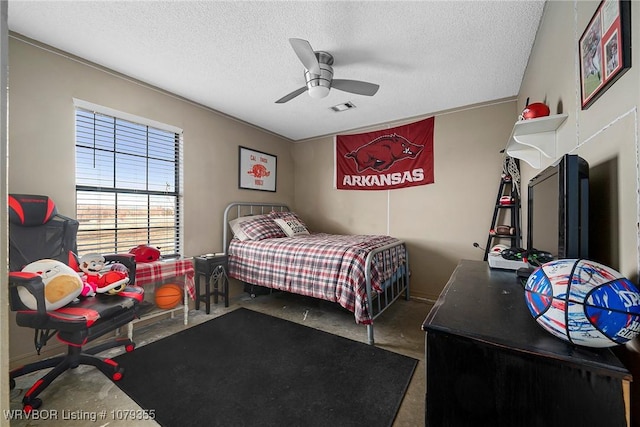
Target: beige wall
x,y
439,221
606,134
42,88
42,85
4,242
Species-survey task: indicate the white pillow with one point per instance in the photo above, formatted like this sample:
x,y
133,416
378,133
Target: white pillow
x,y
291,226
235,226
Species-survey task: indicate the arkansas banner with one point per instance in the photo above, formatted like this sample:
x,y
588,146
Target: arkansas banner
x,y
392,158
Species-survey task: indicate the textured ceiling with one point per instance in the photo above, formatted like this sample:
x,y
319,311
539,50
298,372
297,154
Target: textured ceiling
x,y
235,57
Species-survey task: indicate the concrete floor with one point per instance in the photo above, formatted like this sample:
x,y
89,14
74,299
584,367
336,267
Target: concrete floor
x,y
82,394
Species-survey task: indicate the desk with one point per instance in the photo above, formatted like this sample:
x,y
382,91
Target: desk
x,y
153,273
488,360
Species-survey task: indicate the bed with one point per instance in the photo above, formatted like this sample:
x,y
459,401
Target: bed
x,y
270,246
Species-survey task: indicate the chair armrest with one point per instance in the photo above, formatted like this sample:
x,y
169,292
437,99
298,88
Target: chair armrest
x,y
33,283
128,260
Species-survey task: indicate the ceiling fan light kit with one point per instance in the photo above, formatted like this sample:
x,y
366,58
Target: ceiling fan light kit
x,y
318,85
318,75
318,91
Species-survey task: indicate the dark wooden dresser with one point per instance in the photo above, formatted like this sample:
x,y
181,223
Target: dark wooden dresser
x,y
489,363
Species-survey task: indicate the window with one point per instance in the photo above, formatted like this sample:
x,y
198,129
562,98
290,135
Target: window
x,y
128,184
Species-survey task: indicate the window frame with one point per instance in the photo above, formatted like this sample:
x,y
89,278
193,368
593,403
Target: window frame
x,y
116,191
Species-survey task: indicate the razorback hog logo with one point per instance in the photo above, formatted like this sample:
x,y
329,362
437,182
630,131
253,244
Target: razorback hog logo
x,y
259,171
381,153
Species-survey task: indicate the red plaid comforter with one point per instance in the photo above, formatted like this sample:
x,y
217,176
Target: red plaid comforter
x,y
326,266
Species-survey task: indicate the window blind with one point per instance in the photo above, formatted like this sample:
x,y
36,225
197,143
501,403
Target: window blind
x,y
128,185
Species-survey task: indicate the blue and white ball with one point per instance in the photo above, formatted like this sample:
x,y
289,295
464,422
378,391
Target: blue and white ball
x,y
584,302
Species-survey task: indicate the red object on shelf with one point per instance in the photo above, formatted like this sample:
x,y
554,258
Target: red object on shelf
x,y
535,110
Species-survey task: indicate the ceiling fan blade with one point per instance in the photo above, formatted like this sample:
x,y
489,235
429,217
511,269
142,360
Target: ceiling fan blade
x,y
307,56
355,86
292,95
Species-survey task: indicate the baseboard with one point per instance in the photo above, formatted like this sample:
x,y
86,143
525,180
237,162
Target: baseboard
x,y
55,348
46,352
425,300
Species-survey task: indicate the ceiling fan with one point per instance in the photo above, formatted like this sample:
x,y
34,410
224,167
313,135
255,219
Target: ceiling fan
x,y
319,75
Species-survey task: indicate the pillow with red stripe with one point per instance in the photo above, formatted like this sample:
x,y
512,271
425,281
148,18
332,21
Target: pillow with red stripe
x,y
235,226
260,228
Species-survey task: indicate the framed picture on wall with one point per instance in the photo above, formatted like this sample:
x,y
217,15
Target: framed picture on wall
x,y
257,170
605,49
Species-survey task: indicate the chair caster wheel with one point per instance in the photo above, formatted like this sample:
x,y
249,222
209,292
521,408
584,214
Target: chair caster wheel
x,y
35,403
117,375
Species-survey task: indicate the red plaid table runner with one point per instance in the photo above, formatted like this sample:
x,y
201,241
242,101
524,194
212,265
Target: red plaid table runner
x,y
157,271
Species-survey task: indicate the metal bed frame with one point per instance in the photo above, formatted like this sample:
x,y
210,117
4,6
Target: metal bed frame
x,y
393,288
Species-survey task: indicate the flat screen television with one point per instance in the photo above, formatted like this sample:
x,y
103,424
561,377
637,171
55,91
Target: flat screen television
x,y
558,209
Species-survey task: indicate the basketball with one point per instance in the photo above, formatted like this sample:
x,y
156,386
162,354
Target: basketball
x,y
168,296
584,302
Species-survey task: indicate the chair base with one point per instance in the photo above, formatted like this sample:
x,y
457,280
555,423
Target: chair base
x,y
60,364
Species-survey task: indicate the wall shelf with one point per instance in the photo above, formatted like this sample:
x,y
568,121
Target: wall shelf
x,y
530,139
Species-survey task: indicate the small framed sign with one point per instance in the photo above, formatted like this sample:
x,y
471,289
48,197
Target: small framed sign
x,y
257,170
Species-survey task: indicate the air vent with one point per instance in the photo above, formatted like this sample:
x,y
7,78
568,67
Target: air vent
x,y
343,107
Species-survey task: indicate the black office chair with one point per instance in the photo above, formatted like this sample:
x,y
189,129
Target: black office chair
x,y
37,231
